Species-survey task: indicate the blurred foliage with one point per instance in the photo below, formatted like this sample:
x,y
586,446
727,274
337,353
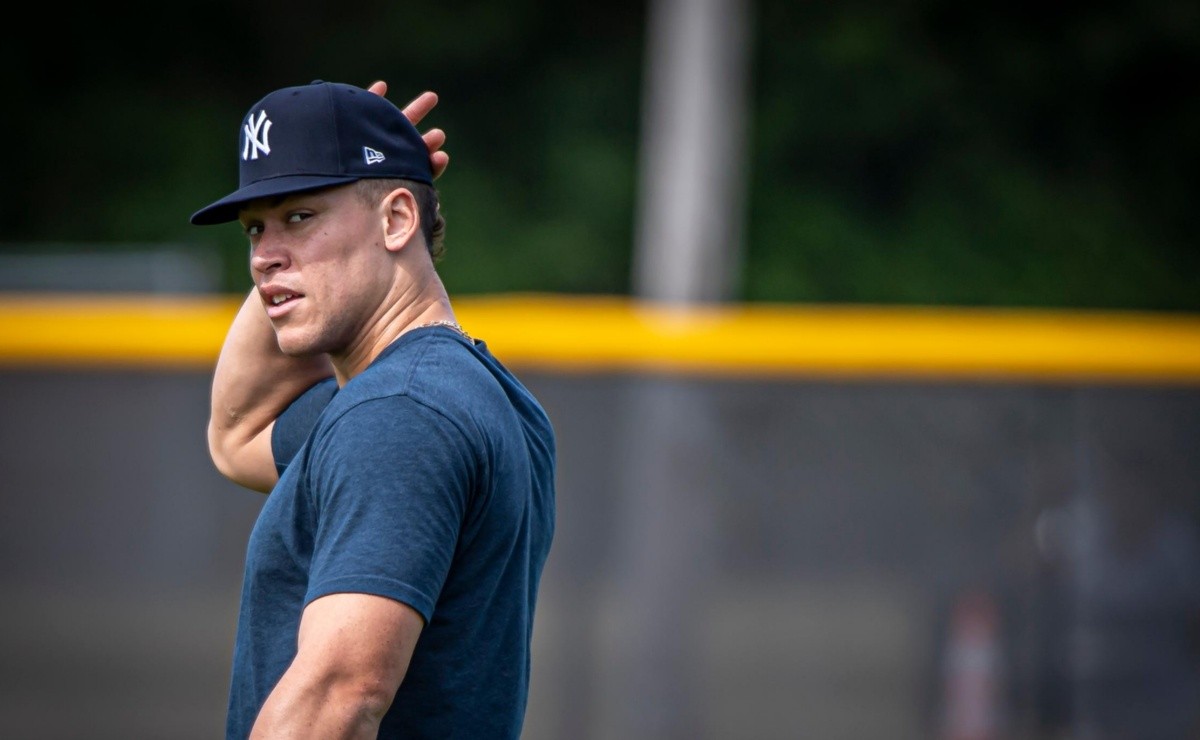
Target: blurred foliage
x,y
931,152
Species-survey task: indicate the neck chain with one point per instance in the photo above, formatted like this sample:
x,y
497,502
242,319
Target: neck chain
x,y
449,325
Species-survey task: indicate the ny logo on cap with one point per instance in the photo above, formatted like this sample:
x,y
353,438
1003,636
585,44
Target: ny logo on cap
x,y
253,131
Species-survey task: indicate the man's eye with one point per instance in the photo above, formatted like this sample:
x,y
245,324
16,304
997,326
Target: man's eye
x,y
253,229
295,218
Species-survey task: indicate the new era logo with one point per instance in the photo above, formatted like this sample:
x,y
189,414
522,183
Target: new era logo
x,y
372,156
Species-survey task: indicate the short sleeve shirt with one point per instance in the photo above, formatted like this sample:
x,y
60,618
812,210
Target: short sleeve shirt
x,y
428,479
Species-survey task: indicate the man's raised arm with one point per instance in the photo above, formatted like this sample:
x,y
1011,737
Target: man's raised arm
x,y
252,385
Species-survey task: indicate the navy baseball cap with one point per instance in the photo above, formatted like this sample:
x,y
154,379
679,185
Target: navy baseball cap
x,y
318,135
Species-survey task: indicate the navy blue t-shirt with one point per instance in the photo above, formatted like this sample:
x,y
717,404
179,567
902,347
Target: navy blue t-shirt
x,y
429,479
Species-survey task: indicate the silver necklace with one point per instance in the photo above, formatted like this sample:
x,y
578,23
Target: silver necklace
x,y
449,325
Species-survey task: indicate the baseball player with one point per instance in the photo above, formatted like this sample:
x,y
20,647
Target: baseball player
x,y
391,577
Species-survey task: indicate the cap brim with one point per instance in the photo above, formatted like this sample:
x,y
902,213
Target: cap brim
x,y
226,209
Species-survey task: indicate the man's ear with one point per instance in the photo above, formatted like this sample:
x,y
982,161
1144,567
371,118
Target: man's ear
x,y
402,219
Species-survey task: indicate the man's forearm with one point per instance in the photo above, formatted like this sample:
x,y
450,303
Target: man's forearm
x,y
252,384
306,706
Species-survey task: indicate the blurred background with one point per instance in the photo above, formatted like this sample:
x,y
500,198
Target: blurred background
x,y
990,534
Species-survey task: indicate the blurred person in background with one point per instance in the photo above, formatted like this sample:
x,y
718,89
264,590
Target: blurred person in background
x,y
392,575
1134,641
1123,553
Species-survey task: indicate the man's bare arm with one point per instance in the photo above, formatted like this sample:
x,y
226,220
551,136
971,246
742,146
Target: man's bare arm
x,y
254,382
352,654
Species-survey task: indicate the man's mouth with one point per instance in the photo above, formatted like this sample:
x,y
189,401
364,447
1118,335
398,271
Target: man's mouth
x,y
279,301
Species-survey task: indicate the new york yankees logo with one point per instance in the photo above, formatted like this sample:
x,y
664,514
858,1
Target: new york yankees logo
x,y
256,136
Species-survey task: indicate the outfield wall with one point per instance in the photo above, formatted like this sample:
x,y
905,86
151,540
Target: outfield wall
x,y
778,538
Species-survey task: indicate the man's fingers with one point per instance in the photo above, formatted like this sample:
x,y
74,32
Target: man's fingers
x,y
438,162
435,139
420,107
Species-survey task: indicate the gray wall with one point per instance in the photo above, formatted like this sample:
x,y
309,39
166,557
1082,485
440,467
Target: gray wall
x,y
765,559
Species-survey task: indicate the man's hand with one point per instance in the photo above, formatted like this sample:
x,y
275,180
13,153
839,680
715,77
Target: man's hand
x,y
415,111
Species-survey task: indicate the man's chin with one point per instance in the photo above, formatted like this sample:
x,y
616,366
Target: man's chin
x,y
297,347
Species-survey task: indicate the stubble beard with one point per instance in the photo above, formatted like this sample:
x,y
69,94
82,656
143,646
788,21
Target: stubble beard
x,y
309,342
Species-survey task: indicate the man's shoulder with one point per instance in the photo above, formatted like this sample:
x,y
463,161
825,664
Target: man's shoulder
x,y
432,370
439,375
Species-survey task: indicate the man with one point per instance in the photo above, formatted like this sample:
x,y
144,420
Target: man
x,y
392,574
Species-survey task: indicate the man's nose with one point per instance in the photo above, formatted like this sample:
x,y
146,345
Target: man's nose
x,y
267,255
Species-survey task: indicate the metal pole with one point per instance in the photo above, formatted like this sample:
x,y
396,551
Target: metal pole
x,y
690,208
687,251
